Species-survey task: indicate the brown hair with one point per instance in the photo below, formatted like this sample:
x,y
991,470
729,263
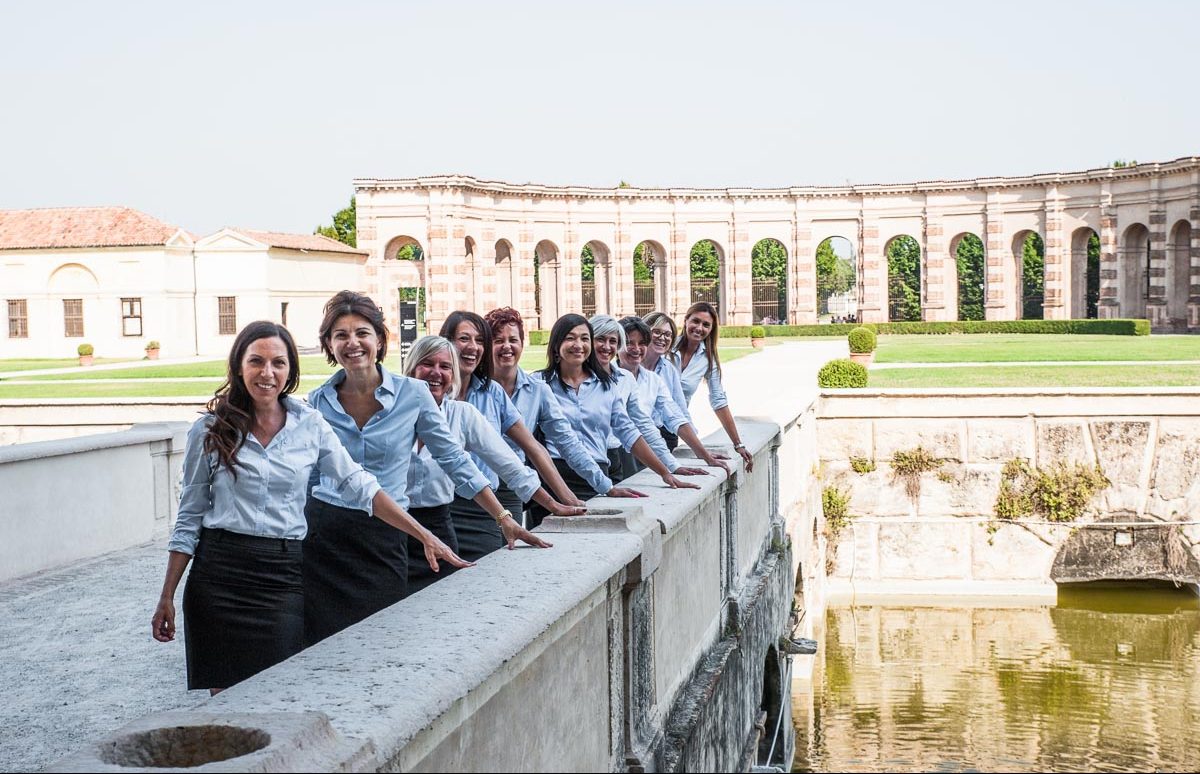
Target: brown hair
x,y
231,407
348,302
505,315
710,341
484,369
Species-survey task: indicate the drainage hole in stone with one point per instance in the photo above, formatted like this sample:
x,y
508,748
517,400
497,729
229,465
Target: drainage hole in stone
x,y
182,747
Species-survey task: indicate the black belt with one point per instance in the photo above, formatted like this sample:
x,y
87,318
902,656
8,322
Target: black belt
x,y
282,545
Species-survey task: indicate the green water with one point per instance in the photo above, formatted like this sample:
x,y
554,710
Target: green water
x,y
1108,679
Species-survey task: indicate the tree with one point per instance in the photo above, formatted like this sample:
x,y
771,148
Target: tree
x,y
643,264
344,228
768,260
971,267
1122,164
904,280
588,264
1093,276
835,275
1033,277
704,261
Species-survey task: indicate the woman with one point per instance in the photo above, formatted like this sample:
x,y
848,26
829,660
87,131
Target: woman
x,y
536,405
434,361
472,339
658,359
653,395
589,400
241,515
608,339
354,567
695,353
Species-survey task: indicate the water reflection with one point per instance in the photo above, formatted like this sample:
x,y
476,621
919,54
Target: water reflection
x,y
1106,680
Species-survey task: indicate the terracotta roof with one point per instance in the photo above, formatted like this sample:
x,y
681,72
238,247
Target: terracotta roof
x,y
81,227
312,242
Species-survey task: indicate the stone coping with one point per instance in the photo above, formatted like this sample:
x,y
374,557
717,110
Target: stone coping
x,y
138,434
1008,402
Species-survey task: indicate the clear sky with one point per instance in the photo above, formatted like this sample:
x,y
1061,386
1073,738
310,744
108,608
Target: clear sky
x,y
260,114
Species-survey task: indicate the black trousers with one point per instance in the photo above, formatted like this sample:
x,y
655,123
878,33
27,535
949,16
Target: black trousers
x,y
670,438
243,607
436,519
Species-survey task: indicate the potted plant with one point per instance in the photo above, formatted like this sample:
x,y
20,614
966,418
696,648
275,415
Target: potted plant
x,y
862,345
85,354
152,348
758,335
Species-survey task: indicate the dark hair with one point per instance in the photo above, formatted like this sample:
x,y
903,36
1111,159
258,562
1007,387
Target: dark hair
x,y
348,302
231,407
505,315
710,341
484,368
558,334
634,324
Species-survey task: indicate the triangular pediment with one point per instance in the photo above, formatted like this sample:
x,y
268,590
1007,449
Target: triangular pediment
x,y
229,239
181,238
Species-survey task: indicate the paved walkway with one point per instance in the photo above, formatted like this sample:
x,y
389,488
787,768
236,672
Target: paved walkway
x,y
1031,363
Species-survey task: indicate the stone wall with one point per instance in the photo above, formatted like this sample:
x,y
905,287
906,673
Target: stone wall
x,y
1146,442
27,420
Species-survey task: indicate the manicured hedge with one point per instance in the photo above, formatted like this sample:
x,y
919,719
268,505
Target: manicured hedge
x,y
539,337
842,373
861,340
1108,327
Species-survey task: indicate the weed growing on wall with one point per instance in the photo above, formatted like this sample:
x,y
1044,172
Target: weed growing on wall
x,y
862,465
835,506
909,464
1059,493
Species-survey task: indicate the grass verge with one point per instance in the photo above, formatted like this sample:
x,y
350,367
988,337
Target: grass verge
x,y
1040,376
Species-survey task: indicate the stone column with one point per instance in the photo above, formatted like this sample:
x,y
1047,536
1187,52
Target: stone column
x,y
522,260
681,269
1193,304
802,273
443,271
1109,305
485,262
1057,285
872,272
1156,300
996,293
933,270
738,295
622,270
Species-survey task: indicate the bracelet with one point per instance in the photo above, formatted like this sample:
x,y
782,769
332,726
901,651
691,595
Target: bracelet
x,y
504,514
739,445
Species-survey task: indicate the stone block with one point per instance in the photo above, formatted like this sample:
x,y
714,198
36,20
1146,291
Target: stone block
x,y
841,439
1014,553
1062,441
941,437
999,440
857,552
1121,449
915,550
959,490
1177,461
877,494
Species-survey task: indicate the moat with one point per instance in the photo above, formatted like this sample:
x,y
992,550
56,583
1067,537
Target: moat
x,y
1104,680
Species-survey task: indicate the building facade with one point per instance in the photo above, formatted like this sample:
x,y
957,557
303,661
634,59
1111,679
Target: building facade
x,y
482,244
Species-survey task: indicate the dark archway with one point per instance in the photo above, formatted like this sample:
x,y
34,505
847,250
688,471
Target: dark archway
x,y
1179,269
504,274
707,270
1156,551
1134,259
768,272
1030,254
649,277
835,278
1085,274
410,285
545,283
904,279
970,273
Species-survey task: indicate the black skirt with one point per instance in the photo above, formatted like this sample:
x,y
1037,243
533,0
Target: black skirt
x,y
670,438
354,566
437,520
511,502
621,464
243,607
478,533
578,486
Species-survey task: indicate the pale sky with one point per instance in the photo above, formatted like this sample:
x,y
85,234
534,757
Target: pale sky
x,y
259,114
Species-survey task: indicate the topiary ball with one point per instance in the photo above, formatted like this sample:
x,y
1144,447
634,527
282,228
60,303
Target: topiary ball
x,y
861,340
837,374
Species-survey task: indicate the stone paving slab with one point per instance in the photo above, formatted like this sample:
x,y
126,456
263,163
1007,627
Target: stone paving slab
x,y
77,658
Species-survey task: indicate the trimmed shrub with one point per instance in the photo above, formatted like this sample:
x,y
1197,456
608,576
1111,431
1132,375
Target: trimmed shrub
x,y
842,373
152,345
862,340
1103,327
539,338
872,327
85,349
758,332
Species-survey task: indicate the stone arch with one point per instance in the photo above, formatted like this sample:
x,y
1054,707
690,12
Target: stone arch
x,y
649,277
835,277
504,270
404,277
595,260
768,281
1029,258
904,278
1150,552
1179,270
708,283
546,267
1085,274
774,703
403,248
969,277
1133,258
473,274
72,278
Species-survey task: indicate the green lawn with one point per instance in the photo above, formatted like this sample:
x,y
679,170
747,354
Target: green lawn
x,y
1040,376
310,365
994,348
34,365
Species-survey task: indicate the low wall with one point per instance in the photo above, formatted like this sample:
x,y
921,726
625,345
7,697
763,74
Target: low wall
x,y
647,638
947,540
51,419
74,499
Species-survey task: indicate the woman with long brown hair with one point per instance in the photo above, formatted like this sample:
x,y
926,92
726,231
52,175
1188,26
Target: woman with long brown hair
x,y
241,515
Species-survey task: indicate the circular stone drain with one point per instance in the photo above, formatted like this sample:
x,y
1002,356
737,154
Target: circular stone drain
x,y
181,747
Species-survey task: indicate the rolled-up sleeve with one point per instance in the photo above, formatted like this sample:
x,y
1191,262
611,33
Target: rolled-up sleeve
x,y
673,416
351,481
447,452
558,431
622,426
482,439
670,376
195,493
716,392
647,430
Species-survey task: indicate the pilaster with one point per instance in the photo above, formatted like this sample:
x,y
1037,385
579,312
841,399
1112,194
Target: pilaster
x,y
802,274
1055,300
872,271
737,295
1156,300
1193,303
996,281
1109,305
933,269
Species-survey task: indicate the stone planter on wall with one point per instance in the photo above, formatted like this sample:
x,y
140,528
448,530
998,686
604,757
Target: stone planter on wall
x,y
863,357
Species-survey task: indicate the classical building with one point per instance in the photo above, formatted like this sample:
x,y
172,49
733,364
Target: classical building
x,y
482,244
117,279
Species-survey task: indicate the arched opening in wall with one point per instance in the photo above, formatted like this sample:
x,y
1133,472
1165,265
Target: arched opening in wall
x,y
706,265
594,260
1085,274
771,744
768,278
970,272
1127,551
1134,260
474,290
1179,265
504,271
587,280
404,269
649,277
1030,254
836,292
545,282
904,279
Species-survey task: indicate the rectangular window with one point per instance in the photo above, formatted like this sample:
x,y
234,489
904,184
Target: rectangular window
x,y
131,317
226,315
73,318
18,319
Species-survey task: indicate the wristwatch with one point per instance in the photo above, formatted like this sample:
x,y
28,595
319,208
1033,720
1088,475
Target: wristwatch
x,y
502,515
741,446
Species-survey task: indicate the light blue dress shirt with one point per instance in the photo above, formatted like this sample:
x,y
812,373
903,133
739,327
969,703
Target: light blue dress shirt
x,y
594,413
667,371
429,486
493,402
655,399
626,385
267,497
696,370
540,411
384,444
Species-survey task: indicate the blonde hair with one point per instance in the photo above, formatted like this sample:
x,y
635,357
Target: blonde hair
x,y
431,345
